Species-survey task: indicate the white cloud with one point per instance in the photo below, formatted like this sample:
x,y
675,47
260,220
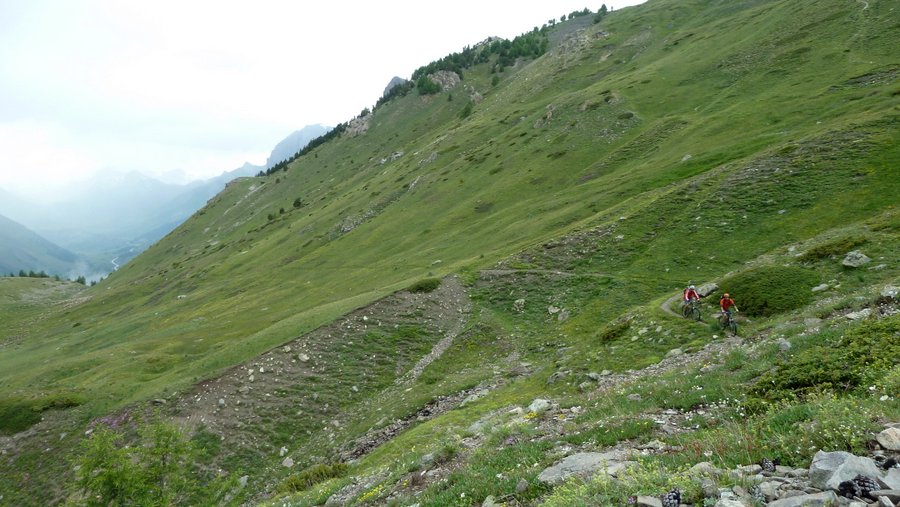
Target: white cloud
x,y
202,86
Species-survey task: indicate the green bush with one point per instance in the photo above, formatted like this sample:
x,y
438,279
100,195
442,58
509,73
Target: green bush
x,y
425,285
770,290
838,246
311,476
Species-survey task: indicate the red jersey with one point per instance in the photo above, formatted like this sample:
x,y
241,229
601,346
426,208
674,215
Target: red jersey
x,y
726,303
690,294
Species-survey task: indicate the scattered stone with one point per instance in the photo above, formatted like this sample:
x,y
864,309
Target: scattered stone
x,y
563,315
584,386
539,405
159,401
783,345
634,397
648,501
731,502
862,314
242,482
855,259
813,500
889,439
303,358
704,468
674,353
288,462
519,305
605,373
820,288
282,452
244,389
221,402
891,494
556,376
489,502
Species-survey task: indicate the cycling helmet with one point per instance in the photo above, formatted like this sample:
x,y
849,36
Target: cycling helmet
x,y
691,287
726,295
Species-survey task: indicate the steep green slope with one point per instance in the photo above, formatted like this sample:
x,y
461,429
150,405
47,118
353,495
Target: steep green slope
x,y
675,141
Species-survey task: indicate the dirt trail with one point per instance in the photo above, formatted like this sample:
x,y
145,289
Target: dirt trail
x,y
666,306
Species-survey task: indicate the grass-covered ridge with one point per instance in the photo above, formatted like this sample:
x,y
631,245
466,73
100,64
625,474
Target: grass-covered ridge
x,y
672,142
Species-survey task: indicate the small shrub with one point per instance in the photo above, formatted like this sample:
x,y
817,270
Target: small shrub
x,y
613,331
832,248
770,290
311,476
425,285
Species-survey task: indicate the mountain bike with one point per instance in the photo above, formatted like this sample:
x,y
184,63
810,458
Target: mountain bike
x,y
691,310
727,322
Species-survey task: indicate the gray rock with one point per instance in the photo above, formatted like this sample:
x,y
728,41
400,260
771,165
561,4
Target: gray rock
x,y
890,291
884,501
243,480
594,376
648,501
303,358
539,405
783,345
769,489
731,502
862,314
221,402
634,397
489,502
584,386
829,469
855,259
820,288
706,289
892,494
244,389
521,486
674,353
891,480
585,465
704,468
563,316
286,349
556,376
889,439
288,462
826,498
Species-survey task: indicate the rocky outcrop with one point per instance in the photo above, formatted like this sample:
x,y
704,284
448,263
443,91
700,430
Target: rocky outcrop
x,y
394,82
447,79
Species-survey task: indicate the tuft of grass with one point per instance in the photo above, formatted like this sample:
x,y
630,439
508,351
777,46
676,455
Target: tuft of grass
x,y
311,476
832,248
425,285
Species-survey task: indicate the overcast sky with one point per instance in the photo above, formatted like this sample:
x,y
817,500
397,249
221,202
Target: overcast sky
x,y
182,88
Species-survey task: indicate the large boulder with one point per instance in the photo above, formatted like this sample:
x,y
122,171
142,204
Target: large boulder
x,y
585,465
829,469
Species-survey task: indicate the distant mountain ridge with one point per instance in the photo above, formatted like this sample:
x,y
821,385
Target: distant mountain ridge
x,y
295,142
23,249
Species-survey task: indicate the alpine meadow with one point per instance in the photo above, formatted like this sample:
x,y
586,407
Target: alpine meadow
x,y
470,294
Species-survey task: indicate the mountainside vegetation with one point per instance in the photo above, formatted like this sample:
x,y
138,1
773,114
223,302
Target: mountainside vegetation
x,y
375,320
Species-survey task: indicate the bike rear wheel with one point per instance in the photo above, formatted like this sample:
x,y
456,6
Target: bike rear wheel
x,y
695,314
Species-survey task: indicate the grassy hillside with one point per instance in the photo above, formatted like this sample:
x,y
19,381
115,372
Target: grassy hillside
x,y
673,142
